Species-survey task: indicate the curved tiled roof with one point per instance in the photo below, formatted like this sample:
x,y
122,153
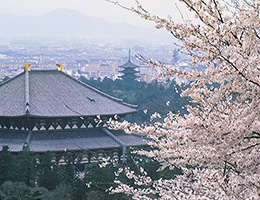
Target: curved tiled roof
x,y
52,93
129,64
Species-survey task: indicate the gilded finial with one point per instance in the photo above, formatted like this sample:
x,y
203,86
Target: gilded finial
x,y
26,67
60,67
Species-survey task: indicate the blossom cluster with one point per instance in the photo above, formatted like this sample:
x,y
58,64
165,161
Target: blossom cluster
x,y
220,135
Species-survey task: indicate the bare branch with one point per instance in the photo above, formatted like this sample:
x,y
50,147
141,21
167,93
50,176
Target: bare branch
x,y
120,5
252,146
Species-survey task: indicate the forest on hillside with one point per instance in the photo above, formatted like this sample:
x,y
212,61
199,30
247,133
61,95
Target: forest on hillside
x,y
26,176
149,97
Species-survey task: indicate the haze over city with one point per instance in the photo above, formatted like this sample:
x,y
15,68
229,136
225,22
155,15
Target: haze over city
x,y
82,33
98,8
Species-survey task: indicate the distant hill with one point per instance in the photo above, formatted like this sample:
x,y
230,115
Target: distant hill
x,y
64,22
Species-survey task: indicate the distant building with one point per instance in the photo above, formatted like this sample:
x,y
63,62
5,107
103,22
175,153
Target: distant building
x,y
98,70
129,70
147,73
175,57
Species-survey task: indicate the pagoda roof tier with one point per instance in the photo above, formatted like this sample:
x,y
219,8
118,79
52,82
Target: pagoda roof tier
x,y
129,70
129,64
54,94
129,76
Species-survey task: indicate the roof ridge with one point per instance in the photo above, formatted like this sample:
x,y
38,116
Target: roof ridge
x,y
11,79
34,94
129,64
27,93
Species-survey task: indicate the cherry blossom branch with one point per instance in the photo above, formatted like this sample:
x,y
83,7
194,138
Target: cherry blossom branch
x,y
254,145
239,72
120,5
219,13
189,5
222,125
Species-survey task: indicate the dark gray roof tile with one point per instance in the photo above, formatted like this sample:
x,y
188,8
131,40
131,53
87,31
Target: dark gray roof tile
x,y
12,138
53,93
79,139
71,139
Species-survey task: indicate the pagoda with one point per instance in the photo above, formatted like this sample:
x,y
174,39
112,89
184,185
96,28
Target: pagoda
x,y
129,70
48,110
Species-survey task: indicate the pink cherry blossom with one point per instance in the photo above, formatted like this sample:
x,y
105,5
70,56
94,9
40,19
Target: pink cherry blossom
x,y
220,135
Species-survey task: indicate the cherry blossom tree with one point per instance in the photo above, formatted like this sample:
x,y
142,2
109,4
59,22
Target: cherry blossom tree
x,y
217,144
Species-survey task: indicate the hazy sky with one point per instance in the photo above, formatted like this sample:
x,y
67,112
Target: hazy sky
x,y
97,8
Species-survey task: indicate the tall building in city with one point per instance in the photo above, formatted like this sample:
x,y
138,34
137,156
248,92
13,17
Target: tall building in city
x,y
41,61
48,110
129,70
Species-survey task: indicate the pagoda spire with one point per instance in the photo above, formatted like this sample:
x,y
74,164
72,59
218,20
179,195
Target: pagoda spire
x,y
129,55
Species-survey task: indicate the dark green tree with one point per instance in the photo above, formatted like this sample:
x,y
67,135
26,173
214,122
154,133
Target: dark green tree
x,y
24,169
69,169
47,176
34,195
6,164
14,190
78,190
99,180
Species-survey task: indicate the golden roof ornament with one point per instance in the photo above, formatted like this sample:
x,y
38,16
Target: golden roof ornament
x,y
26,67
60,66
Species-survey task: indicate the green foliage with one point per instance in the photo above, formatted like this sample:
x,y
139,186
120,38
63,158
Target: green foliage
x,y
5,164
99,180
47,170
148,96
24,168
61,192
34,195
24,178
14,190
21,177
51,175
78,190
